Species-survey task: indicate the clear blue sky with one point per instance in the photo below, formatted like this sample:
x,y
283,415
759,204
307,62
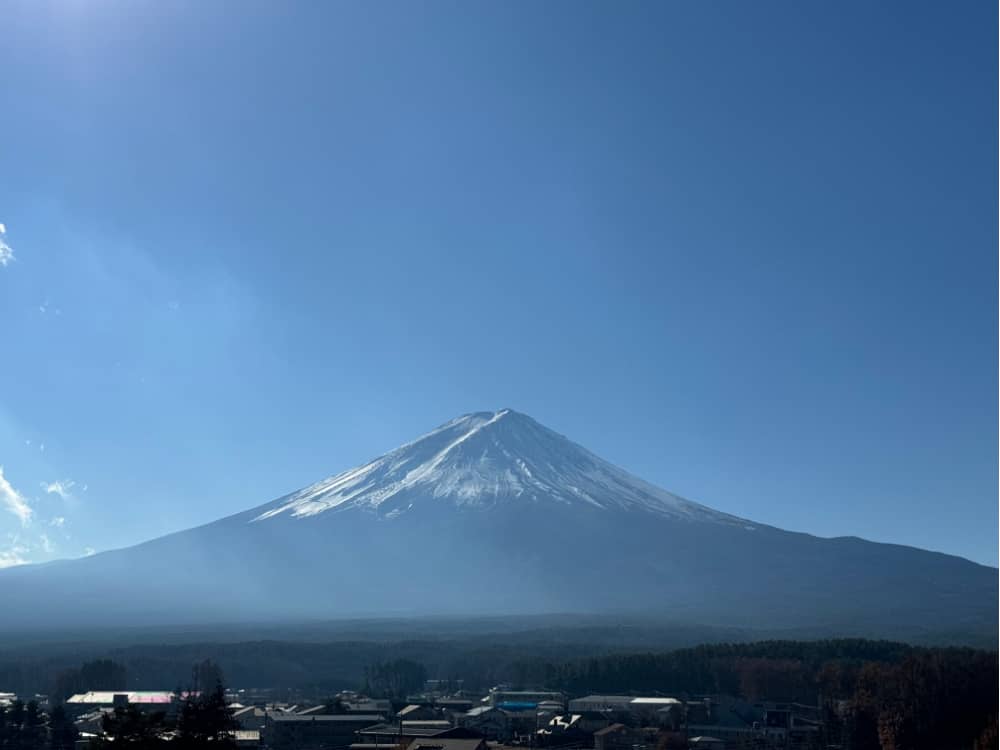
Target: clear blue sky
x,y
747,251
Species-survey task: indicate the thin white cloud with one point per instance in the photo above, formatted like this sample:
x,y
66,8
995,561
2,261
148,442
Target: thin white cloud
x,y
13,556
46,543
88,551
13,501
61,487
58,522
6,251
15,552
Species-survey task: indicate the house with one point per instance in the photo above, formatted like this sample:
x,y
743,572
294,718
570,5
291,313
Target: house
x,y
363,705
631,709
402,733
702,742
600,703
499,695
248,738
415,712
250,718
618,737
146,700
735,722
454,705
284,731
92,722
493,723
447,744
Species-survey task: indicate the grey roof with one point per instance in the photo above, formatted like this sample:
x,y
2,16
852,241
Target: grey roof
x,y
312,710
445,744
340,718
480,710
409,728
609,730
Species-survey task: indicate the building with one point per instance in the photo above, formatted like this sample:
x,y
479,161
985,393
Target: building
x,y
94,700
618,737
284,731
601,703
447,744
642,708
498,695
364,705
248,738
454,705
416,712
492,723
250,718
736,723
402,733
702,742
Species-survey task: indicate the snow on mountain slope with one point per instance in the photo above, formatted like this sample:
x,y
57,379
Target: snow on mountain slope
x,y
485,460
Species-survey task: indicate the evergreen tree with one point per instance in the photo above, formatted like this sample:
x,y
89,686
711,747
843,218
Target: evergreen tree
x,y
32,728
62,731
15,722
205,719
206,675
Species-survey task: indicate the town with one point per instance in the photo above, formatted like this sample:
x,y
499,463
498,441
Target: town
x,y
846,694
437,718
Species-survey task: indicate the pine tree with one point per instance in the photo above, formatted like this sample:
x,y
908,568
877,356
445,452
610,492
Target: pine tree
x,y
62,731
205,719
32,728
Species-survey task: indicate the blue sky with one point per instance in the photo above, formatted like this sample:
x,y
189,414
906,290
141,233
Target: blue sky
x,y
747,251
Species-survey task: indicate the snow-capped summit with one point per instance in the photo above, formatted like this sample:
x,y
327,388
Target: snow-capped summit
x,y
482,460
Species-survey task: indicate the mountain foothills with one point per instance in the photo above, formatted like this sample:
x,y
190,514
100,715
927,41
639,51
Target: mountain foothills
x,y
494,513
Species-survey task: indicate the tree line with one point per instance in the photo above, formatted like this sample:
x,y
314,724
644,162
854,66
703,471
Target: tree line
x,y
875,695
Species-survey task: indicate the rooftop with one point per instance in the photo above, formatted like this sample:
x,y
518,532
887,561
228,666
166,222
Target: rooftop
x,y
614,728
133,696
341,718
446,744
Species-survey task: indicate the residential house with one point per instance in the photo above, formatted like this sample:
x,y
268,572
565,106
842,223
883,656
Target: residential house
x,y
493,723
283,731
447,744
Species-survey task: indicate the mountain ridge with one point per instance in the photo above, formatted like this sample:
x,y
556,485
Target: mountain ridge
x,y
494,514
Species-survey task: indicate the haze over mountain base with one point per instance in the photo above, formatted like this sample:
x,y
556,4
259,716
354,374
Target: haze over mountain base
x,y
493,513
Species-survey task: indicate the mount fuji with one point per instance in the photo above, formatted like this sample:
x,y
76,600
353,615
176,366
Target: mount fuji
x,y
493,513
